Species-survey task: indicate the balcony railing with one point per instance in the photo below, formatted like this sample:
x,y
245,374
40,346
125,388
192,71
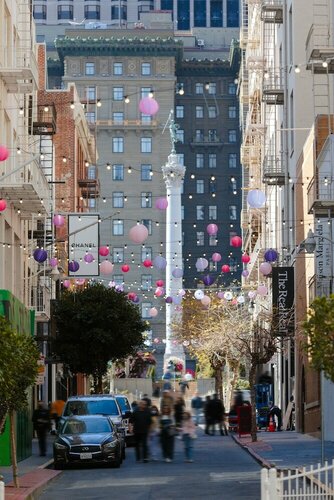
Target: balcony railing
x,y
320,195
319,45
46,121
272,11
18,70
40,300
273,172
206,141
127,124
273,90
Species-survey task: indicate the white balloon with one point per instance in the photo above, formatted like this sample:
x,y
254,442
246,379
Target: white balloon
x,y
199,294
228,295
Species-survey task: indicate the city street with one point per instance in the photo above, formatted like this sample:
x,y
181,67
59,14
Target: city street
x,y
222,470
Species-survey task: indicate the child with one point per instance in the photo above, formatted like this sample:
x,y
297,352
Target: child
x,y
188,435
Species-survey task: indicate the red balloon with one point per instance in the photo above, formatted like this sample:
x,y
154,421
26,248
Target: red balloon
x,y
236,241
159,283
245,258
225,268
125,268
147,263
4,153
104,251
3,205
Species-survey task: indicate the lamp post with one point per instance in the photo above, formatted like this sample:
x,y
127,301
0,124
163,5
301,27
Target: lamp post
x,y
309,245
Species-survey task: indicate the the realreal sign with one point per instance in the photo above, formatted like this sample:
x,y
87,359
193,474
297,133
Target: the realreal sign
x,y
83,238
283,300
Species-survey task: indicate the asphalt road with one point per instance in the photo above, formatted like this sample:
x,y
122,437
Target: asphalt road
x,y
221,470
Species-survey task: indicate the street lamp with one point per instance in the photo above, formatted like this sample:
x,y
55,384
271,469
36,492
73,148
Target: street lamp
x,y
309,244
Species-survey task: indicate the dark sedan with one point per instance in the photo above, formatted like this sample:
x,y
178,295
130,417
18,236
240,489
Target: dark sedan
x,y
87,439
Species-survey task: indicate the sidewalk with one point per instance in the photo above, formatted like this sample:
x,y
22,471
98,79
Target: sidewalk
x,y
286,449
33,474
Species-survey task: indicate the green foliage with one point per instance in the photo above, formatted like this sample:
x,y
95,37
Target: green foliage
x,y
96,325
242,384
319,330
18,367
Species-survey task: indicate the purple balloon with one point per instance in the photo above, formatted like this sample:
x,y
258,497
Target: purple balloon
x,y
161,204
208,280
245,273
136,299
53,262
177,300
177,272
40,255
160,262
169,300
270,255
73,266
221,295
88,258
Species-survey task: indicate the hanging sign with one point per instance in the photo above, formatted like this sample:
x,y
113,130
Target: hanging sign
x,y
83,238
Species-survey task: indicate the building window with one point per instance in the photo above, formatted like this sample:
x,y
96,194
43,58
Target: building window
x,y
118,172
145,118
118,255
212,212
65,12
232,7
145,310
118,279
146,145
180,135
91,172
118,93
212,186
180,158
118,199
146,200
118,144
115,12
199,88
212,88
92,12
118,68
232,88
199,112
90,116
92,203
118,227
200,186
91,93
232,160
146,172
232,234
212,134
233,185
182,212
146,69
212,112
200,238
199,160
216,14
232,111
146,281
179,111
212,160
118,117
40,12
213,240
232,210
200,212
89,68
146,253
232,136
148,224
145,91
200,14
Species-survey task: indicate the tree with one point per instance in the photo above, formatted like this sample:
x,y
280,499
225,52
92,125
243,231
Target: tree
x,y
18,371
96,325
319,332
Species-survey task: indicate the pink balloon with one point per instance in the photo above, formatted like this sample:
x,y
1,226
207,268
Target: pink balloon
x,y
138,234
153,312
206,300
265,268
66,284
80,281
236,241
88,258
156,340
58,220
212,229
53,262
103,251
106,267
262,290
252,294
125,268
148,106
216,257
225,268
4,153
3,205
245,258
159,292
221,295
234,302
161,204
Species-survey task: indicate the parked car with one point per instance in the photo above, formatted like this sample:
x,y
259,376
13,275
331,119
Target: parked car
x,y
127,413
87,439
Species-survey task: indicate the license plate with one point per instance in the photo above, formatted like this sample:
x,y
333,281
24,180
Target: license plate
x,y
85,456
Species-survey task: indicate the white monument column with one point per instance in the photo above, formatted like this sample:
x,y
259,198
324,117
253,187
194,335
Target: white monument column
x,y
173,174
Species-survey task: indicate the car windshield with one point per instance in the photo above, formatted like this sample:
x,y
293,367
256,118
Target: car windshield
x,y
124,404
91,426
94,407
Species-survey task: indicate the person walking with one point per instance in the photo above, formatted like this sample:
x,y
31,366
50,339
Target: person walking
x,y
208,414
275,411
188,435
141,420
148,400
179,408
167,400
196,406
41,424
183,384
154,433
218,414
167,433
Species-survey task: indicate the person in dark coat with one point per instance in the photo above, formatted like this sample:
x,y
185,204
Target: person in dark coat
x,y
275,411
167,433
208,414
218,414
42,424
141,420
179,408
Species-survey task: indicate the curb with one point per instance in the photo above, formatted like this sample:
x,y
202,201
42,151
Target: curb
x,y
253,453
35,483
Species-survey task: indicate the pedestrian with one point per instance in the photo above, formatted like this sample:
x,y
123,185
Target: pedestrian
x,y
275,411
218,415
167,433
154,433
41,423
196,406
148,400
56,411
167,400
183,384
179,408
188,435
141,420
208,414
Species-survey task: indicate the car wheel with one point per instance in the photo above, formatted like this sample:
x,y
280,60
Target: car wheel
x,y
116,464
59,466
